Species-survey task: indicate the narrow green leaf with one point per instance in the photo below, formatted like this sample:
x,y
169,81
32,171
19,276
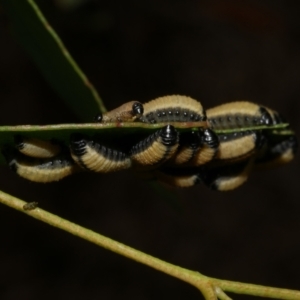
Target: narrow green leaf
x,y
52,57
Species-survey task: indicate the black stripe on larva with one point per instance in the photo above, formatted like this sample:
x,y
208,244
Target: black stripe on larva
x,y
93,156
172,114
156,148
168,134
78,144
228,121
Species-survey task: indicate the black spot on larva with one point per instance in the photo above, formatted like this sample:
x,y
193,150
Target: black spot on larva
x,y
98,117
137,109
266,118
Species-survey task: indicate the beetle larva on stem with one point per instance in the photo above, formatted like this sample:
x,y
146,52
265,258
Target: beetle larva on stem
x,y
238,114
177,180
228,177
36,148
279,149
40,170
174,108
197,148
91,155
238,145
156,148
127,112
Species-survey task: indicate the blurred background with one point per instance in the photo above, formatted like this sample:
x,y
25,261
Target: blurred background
x,y
214,51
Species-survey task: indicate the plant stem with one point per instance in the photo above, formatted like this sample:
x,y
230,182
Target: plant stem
x,y
210,287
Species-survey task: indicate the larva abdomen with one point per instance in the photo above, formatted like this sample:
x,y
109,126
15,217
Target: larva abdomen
x,y
36,148
238,114
155,149
41,170
95,157
174,108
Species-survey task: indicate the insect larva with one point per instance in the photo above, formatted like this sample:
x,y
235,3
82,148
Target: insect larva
x,y
93,156
238,145
190,143
36,148
197,148
156,148
175,108
127,112
280,150
176,180
41,170
226,178
30,205
239,114
208,150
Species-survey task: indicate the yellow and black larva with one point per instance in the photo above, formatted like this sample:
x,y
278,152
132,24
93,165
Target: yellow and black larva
x,y
182,159
91,155
128,112
238,145
197,147
40,170
226,178
240,114
175,108
36,148
156,148
279,149
177,180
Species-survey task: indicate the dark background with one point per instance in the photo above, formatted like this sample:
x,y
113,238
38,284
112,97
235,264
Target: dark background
x,y
215,51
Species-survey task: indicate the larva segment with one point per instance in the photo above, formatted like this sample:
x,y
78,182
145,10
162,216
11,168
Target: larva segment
x,y
175,108
127,112
155,149
208,150
176,180
36,148
279,150
226,178
239,114
93,156
41,170
190,142
238,145
197,148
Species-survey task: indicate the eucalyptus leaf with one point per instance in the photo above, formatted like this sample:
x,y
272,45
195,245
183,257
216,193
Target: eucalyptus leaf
x,y
52,58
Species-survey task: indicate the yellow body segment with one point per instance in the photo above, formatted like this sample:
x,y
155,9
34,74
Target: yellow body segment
x,y
95,161
34,172
181,181
156,153
237,148
37,148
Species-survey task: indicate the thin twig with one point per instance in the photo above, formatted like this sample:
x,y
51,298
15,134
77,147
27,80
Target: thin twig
x,y
210,287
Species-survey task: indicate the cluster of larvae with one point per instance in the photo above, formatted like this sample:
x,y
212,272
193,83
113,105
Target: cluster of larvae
x,y
203,153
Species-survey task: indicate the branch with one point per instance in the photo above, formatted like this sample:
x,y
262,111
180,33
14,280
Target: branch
x,y
211,288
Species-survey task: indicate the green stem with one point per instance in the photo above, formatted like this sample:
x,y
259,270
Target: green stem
x,y
210,287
